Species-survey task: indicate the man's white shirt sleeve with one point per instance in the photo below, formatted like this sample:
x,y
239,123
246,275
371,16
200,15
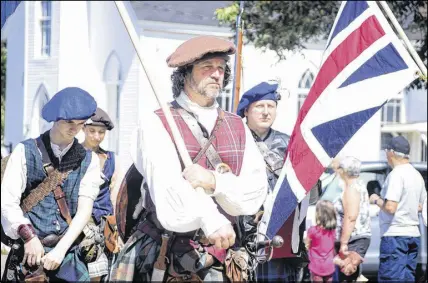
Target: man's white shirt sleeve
x,y
12,186
91,181
244,194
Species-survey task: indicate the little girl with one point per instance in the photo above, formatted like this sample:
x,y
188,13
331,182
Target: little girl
x,y
320,243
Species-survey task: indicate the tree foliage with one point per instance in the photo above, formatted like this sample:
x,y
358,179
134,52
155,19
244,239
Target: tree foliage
x,y
3,87
289,25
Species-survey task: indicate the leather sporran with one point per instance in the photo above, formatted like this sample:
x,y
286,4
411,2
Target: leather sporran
x,y
90,246
236,264
38,275
111,234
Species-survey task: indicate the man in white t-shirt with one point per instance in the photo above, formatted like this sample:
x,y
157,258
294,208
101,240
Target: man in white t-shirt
x,y
400,202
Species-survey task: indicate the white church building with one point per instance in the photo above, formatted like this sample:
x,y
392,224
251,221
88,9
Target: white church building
x,y
55,44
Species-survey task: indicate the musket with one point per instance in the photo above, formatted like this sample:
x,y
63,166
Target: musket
x,y
238,58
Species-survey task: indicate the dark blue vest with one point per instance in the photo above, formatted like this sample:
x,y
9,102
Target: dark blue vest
x,y
45,216
103,205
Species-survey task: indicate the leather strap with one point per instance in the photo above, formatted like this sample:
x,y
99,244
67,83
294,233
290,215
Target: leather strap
x,y
206,143
52,182
270,164
47,164
62,204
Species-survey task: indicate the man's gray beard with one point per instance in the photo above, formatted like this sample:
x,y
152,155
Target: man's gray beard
x,y
202,91
214,96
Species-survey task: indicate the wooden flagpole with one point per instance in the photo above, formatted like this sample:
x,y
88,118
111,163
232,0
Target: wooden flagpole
x,y
403,36
181,147
238,59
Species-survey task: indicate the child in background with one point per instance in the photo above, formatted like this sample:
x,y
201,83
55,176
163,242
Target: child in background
x,y
320,243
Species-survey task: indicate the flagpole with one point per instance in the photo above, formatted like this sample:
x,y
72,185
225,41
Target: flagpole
x,y
179,142
403,36
238,59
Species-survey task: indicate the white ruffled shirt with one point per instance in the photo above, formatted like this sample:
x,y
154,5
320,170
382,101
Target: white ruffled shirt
x,y
179,207
14,183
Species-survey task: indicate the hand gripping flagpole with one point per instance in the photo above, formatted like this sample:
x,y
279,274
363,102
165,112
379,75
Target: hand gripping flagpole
x,y
181,147
403,36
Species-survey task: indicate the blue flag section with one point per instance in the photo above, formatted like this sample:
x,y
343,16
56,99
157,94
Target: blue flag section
x,y
7,9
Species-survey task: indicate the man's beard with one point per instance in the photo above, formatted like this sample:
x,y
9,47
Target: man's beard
x,y
202,89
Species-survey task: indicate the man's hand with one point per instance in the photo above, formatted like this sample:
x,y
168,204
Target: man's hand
x,y
198,176
33,252
53,259
373,198
223,238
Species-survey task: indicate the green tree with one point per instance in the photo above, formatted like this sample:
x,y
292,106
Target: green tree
x,y
3,87
288,25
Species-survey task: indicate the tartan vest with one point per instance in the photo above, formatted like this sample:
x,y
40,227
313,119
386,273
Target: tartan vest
x,y
229,142
103,205
45,216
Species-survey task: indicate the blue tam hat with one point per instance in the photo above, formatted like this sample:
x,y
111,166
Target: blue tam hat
x,y
71,103
262,91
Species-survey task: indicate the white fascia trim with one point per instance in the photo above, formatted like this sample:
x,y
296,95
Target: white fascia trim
x,y
405,128
154,26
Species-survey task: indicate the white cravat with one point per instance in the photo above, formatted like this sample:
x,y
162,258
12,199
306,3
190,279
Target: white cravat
x,y
58,152
207,116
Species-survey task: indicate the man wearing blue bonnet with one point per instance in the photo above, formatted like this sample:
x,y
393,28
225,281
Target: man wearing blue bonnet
x,y
47,193
259,105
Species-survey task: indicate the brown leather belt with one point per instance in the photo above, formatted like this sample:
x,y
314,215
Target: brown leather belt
x,y
182,243
51,240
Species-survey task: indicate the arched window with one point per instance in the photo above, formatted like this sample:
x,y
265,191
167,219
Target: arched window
x,y
38,124
305,84
112,80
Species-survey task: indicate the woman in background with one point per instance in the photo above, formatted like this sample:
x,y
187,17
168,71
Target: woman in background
x,y
353,231
95,129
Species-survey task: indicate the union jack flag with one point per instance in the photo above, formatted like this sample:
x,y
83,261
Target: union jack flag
x,y
363,65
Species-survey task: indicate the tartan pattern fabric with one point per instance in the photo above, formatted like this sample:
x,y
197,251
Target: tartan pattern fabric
x,y
45,216
98,267
229,140
136,259
103,205
279,270
72,269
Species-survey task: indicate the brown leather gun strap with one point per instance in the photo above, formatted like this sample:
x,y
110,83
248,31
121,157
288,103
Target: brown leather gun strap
x,y
206,144
49,184
52,182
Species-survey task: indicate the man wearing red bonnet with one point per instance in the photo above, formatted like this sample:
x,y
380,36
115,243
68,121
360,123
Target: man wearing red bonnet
x,y
184,234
